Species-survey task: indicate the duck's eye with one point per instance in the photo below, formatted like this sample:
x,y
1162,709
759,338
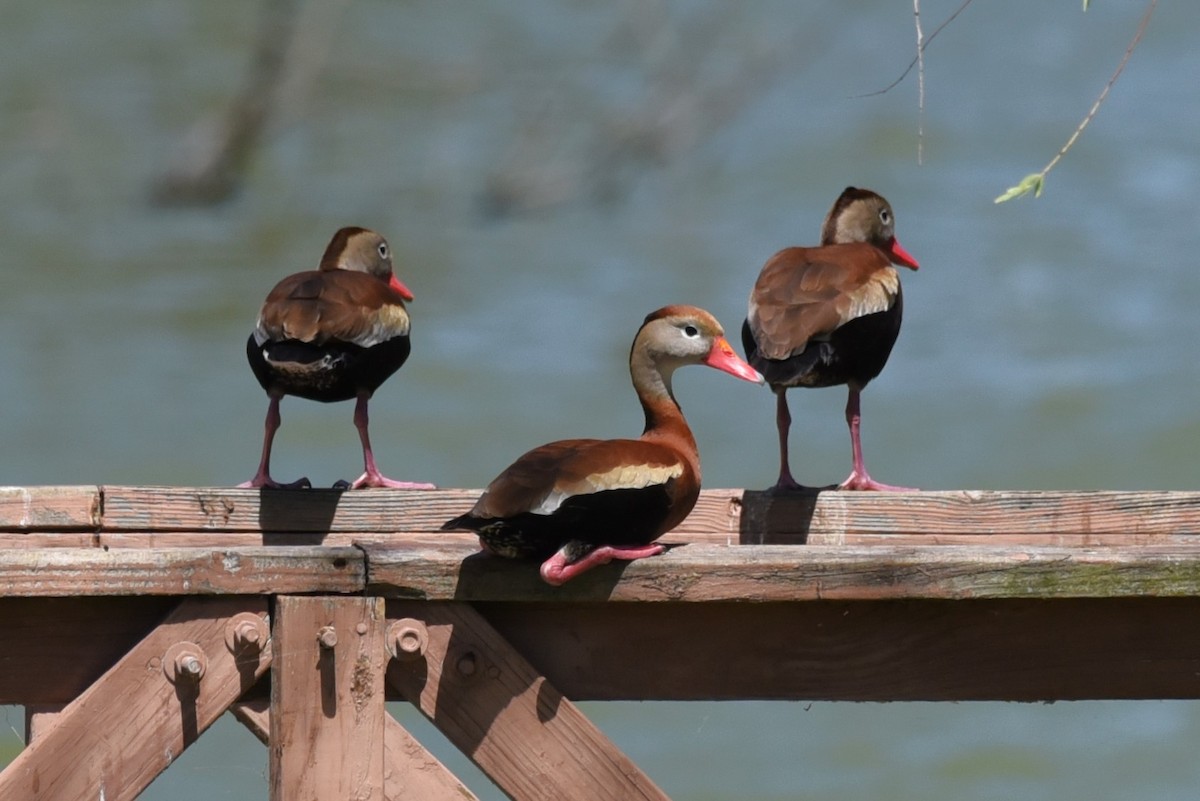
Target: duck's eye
x,y
885,216
383,250
691,331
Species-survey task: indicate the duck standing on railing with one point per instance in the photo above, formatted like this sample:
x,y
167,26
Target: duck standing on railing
x,y
579,503
333,334
829,315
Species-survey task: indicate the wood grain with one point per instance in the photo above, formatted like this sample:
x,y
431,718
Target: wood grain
x,y
134,722
705,573
410,772
322,511
513,723
57,508
327,699
58,572
834,518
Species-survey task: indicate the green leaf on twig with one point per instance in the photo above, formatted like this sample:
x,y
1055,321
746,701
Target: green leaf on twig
x,y
1030,183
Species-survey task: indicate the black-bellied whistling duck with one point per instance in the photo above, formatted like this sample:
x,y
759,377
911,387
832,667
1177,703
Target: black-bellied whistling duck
x,y
579,503
829,315
333,334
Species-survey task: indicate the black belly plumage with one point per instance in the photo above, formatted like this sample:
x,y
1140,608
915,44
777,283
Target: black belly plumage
x,y
854,353
330,372
622,517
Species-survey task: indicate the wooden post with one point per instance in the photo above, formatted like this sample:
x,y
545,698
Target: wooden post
x,y
327,699
509,719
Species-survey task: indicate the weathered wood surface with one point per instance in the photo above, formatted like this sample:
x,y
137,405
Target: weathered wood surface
x,y
706,573
179,571
410,772
54,508
328,699
510,720
135,720
116,516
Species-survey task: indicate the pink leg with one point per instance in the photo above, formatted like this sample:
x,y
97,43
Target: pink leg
x,y
859,478
783,421
263,477
372,477
557,570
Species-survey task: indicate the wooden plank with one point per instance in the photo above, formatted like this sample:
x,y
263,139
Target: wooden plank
x,y
179,571
835,518
133,722
410,772
705,573
327,699
51,649
991,650
513,723
60,508
322,511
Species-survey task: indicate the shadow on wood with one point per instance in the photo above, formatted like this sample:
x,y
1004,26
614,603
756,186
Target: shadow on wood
x,y
779,518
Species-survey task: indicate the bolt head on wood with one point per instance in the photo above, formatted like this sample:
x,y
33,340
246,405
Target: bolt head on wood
x,y
327,637
184,662
246,632
407,639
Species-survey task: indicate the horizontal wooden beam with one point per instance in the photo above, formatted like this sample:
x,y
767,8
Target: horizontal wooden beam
x,y
49,508
893,650
116,516
706,573
53,648
59,572
838,518
328,511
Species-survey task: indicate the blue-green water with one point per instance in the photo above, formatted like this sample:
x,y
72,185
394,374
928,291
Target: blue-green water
x,y
659,153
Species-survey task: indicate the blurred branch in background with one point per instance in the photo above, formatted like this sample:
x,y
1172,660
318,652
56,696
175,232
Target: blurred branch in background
x,y
1035,182
574,144
291,45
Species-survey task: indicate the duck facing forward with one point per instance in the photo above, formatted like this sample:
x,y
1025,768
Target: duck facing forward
x,y
829,315
332,334
579,503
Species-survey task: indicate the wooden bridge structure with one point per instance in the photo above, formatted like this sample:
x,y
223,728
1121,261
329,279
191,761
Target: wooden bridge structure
x,y
131,618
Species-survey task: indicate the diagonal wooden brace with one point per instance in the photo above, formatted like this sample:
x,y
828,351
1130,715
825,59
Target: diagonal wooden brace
x,y
491,703
128,727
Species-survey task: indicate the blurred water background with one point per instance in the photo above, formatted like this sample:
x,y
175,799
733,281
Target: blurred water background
x,y
548,173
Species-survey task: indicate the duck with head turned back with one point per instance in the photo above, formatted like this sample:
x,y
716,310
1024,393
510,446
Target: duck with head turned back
x,y
579,503
829,315
333,334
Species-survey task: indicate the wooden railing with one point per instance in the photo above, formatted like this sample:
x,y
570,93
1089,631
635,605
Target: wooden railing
x,y
132,617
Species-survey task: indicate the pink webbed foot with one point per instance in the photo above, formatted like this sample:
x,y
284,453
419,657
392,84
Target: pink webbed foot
x,y
861,480
557,570
376,479
261,481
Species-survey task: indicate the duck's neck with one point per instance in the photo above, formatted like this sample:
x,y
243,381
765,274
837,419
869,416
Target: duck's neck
x,y
664,418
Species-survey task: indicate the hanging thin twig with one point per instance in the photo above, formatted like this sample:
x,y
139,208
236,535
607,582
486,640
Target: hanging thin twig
x,y
921,49
920,83
1035,182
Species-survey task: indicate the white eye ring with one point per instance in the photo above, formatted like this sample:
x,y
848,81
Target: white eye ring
x,y
691,331
885,216
383,250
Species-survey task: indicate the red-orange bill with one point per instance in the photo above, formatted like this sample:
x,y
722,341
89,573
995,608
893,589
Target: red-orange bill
x,y
400,288
723,358
902,256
